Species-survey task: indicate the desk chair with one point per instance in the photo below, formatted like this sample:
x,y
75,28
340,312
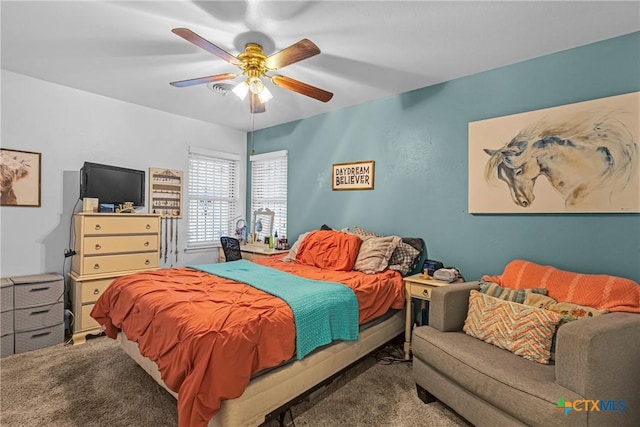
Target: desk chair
x,y
231,248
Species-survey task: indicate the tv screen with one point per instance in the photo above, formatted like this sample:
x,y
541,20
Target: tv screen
x,y
112,184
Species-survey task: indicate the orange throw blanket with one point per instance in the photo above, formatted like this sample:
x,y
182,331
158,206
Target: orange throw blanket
x,y
600,291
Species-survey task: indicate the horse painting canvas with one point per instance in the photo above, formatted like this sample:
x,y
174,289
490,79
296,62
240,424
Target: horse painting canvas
x,y
580,157
20,173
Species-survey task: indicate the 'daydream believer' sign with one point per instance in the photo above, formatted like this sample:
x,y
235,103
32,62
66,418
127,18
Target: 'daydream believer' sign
x,y
353,176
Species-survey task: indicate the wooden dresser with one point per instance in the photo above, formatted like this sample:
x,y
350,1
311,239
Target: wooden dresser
x,y
107,246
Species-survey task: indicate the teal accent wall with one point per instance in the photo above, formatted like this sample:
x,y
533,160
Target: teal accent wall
x,y
418,141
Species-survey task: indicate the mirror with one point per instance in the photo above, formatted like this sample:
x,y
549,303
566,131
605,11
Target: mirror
x,y
262,224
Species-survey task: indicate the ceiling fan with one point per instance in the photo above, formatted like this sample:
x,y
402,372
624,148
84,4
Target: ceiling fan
x,y
254,65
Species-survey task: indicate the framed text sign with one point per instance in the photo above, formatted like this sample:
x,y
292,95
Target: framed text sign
x,y
353,176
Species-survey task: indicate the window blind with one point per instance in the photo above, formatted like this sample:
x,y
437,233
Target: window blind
x,y
212,192
269,188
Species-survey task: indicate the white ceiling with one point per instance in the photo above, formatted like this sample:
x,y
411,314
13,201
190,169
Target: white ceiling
x,y
126,50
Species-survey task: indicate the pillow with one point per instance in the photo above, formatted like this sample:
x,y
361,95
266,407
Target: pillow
x,y
402,259
374,253
329,249
538,300
567,310
599,291
506,294
291,256
573,311
522,330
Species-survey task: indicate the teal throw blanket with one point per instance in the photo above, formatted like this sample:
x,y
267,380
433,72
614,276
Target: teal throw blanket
x,y
322,311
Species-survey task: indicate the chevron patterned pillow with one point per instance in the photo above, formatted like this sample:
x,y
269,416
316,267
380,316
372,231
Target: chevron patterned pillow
x,y
523,330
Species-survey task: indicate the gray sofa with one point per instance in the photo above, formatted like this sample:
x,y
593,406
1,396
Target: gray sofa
x,y
597,358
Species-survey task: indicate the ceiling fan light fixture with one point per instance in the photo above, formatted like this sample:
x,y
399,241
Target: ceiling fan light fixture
x,y
255,85
241,90
265,95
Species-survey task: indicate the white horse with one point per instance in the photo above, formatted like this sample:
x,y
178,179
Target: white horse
x,y
581,158
11,170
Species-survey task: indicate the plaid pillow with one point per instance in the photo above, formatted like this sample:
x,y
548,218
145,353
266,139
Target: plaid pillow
x,y
403,258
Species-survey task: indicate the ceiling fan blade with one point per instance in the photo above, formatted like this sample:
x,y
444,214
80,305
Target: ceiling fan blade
x,y
192,37
256,105
303,88
200,80
303,49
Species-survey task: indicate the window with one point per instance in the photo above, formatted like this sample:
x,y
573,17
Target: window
x,y
269,188
212,192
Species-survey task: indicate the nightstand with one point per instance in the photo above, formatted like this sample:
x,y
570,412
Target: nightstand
x,y
416,286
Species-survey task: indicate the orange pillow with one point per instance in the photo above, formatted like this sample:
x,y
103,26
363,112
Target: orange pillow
x,y
333,250
599,291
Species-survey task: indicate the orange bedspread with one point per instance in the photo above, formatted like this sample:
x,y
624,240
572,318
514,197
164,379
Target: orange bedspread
x,y
209,335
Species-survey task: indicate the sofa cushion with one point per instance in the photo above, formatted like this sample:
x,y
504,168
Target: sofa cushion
x,y
525,390
523,330
513,295
595,290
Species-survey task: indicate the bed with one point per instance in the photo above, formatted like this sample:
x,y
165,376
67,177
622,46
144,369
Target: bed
x,y
234,350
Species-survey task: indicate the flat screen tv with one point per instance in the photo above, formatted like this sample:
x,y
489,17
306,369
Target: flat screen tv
x,y
112,184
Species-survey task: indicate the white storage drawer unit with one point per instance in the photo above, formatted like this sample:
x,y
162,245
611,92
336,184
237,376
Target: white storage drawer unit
x,y
6,317
37,313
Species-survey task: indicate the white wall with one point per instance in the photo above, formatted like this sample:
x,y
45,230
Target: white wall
x,y
70,127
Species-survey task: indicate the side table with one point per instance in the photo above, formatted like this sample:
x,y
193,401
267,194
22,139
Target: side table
x,y
416,286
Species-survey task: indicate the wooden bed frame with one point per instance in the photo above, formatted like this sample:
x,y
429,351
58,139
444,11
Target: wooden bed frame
x,y
273,392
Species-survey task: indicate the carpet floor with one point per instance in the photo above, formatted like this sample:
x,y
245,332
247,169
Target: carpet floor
x,y
97,384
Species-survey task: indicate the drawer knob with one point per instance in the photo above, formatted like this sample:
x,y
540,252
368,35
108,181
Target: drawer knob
x,y
98,247
38,289
98,227
147,262
96,267
148,226
146,244
96,291
425,292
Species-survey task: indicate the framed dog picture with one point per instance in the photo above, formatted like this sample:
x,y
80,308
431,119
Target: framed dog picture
x,y
20,178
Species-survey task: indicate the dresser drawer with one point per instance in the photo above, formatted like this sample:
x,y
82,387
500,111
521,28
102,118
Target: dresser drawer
x,y
6,327
39,293
27,319
115,225
92,289
39,338
97,245
118,263
421,291
86,321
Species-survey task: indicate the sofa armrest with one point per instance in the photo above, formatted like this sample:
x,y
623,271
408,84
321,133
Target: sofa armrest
x,y
449,305
599,358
